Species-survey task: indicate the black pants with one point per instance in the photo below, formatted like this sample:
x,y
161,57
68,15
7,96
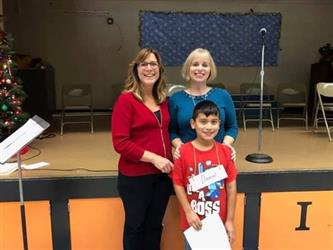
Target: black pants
x,y
145,199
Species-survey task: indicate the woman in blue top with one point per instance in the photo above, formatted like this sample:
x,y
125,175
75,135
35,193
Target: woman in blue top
x,y
198,69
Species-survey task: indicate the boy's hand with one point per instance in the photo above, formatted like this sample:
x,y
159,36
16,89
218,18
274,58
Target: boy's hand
x,y
194,220
230,228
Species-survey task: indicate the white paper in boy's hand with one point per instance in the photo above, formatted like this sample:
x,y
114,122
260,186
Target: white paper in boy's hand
x,y
211,236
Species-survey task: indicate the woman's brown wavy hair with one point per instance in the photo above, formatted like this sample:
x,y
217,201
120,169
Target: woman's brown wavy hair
x,y
132,83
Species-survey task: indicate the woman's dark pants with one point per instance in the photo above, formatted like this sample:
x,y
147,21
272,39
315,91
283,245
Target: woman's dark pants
x,y
145,199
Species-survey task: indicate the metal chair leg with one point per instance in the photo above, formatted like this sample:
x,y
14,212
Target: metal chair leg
x,y
244,120
306,119
92,121
272,121
315,119
62,122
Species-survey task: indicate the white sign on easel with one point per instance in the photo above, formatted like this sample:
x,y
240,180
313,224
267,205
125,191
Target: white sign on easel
x,y
21,137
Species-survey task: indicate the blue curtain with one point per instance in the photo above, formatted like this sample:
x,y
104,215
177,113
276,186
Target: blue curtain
x,y
233,39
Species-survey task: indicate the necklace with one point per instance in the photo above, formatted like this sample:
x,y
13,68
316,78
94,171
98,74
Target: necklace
x,y
198,98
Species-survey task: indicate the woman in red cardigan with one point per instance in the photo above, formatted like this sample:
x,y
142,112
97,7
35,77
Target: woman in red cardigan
x,y
140,121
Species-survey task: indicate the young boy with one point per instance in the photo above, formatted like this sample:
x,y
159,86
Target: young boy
x,y
196,157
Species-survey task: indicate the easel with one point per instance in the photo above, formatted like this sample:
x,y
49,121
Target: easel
x,y
13,145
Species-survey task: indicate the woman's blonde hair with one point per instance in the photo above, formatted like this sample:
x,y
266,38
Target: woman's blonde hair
x,y
202,53
132,83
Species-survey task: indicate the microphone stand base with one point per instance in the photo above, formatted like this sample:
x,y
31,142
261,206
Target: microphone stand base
x,y
259,158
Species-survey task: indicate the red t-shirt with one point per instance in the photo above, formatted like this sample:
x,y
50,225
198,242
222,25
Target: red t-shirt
x,y
212,198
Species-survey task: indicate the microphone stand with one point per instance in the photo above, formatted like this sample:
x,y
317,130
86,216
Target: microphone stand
x,y
259,157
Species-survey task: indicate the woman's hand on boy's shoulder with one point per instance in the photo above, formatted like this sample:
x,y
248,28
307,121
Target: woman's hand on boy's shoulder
x,y
176,150
233,151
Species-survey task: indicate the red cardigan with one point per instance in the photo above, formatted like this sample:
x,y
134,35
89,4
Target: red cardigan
x,y
134,129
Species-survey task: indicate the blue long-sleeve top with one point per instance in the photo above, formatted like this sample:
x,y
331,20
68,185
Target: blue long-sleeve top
x,y
181,105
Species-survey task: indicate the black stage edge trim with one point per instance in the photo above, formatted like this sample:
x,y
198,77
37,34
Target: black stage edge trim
x,y
251,221
60,188
61,236
63,188
287,181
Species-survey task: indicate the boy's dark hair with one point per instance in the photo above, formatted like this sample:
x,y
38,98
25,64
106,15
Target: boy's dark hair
x,y
207,108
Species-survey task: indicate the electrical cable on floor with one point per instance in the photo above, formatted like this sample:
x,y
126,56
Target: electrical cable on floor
x,y
28,158
78,169
46,136
58,169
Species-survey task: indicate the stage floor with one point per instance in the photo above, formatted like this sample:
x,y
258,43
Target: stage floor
x,y
78,153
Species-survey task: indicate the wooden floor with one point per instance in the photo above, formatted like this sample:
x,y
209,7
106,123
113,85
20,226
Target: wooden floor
x,y
79,153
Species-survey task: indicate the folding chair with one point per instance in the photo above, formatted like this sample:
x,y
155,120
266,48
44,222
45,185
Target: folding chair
x,y
324,89
175,88
292,103
76,100
250,104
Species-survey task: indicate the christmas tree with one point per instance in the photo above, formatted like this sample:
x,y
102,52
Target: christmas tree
x,y
11,92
